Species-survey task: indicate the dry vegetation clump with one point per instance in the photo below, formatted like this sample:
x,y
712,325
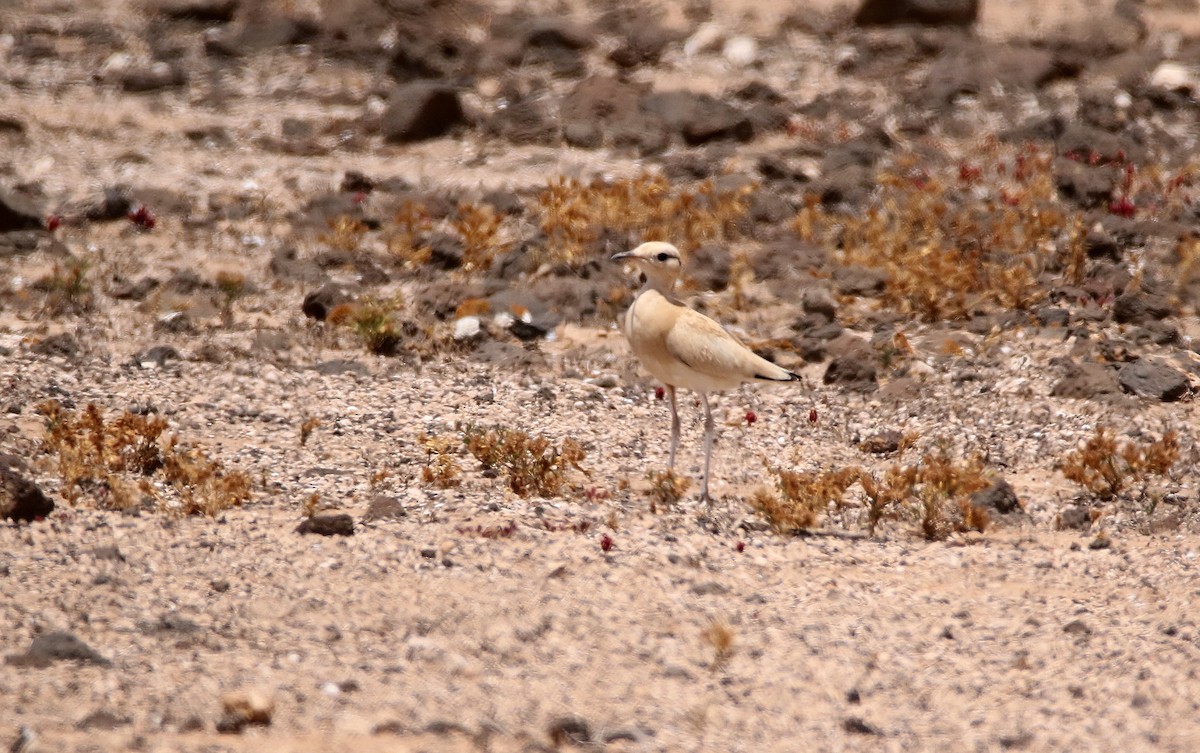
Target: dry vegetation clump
x,y
532,465
441,467
1106,469
800,497
950,246
115,462
307,427
574,215
666,489
345,234
719,635
479,226
373,323
935,492
404,237
67,288
232,286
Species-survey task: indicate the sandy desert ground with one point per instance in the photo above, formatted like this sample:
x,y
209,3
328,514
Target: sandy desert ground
x,y
302,256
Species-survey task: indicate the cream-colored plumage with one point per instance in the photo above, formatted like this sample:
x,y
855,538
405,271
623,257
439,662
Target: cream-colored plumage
x,y
685,348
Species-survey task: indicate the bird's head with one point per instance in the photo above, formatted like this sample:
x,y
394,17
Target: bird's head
x,y
659,261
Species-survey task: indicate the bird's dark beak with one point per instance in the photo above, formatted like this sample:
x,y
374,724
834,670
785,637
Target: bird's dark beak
x,y
620,256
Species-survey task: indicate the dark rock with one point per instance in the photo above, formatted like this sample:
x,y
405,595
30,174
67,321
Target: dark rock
x,y
320,302
265,29
1053,317
765,118
132,290
1137,307
1075,517
559,44
212,137
1000,497
109,553
1091,37
157,356
22,500
1086,381
972,68
369,273
583,134
709,588
187,282
153,77
1037,128
170,622
383,507
784,167
1152,379
505,202
1086,185
570,730
328,524
1094,146
432,53
927,12
856,726
1158,333
709,266
175,322
849,184
12,128
769,208
699,118
855,370
644,134
48,648
526,331
421,110
523,122
445,251
200,11
882,443
642,45
340,367
296,128
19,242
324,210
768,110
63,345
18,212
821,302
103,719
595,105
856,280
1101,245
355,182
287,265
117,203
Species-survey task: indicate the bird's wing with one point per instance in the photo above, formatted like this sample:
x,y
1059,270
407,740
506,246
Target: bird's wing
x,y
705,346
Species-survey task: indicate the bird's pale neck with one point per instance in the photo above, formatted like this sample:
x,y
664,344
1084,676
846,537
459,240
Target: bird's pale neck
x,y
660,282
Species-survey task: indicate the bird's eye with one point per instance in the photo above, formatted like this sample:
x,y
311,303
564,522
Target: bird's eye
x,y
663,256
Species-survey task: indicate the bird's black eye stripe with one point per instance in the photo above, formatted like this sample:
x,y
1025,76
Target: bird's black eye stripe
x,y
663,256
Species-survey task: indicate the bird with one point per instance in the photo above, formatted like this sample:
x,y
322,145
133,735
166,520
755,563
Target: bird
x,y
682,347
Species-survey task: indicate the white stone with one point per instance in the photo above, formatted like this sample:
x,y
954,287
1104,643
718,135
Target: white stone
x,y
741,51
466,328
1174,77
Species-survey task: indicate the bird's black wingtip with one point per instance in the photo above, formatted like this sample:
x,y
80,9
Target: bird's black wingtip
x,y
791,377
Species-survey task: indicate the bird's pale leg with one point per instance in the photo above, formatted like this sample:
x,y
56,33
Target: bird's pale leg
x,y
674,428
709,427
